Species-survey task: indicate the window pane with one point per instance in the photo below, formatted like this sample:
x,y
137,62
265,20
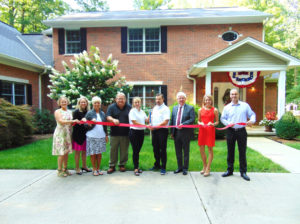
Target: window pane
x,y
73,35
73,48
136,34
19,100
137,91
135,46
19,89
151,91
152,46
6,88
152,34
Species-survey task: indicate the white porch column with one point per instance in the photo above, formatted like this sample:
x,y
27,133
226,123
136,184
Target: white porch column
x,y
208,83
281,93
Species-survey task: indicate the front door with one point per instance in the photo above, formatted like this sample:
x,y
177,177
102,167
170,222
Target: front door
x,y
221,94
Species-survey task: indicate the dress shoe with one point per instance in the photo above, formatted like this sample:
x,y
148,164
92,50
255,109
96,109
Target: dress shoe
x,y
111,170
227,173
244,176
178,171
154,168
122,169
185,172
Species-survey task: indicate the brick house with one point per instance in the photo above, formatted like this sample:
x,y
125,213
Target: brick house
x,y
25,61
192,50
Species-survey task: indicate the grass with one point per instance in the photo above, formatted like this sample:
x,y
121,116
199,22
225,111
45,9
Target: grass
x,y
37,155
295,145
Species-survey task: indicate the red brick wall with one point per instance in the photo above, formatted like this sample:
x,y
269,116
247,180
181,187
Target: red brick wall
x,y
32,77
187,45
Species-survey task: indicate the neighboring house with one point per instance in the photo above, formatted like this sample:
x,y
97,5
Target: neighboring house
x,y
170,50
25,61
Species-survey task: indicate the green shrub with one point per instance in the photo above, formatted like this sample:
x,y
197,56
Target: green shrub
x,y
287,127
43,121
15,124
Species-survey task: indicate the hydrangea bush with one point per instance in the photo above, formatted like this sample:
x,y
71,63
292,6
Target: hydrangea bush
x,y
89,76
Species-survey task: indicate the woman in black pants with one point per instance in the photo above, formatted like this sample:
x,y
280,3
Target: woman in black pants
x,y
136,134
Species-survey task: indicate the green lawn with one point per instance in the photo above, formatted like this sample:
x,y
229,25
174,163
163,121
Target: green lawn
x,y
37,155
295,145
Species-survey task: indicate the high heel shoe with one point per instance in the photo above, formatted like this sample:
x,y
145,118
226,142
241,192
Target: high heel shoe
x,y
207,173
86,169
203,170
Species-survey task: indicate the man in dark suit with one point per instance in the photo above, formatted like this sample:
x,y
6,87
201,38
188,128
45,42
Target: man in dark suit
x,y
182,114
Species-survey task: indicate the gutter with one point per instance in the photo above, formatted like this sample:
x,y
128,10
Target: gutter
x,y
194,87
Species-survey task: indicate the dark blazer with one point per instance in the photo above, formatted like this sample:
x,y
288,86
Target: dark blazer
x,y
91,115
188,117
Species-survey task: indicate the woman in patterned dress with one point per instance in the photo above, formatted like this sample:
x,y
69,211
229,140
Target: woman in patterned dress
x,y
79,135
96,137
208,117
62,144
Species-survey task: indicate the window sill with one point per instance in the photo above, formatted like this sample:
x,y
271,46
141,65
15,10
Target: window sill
x,y
71,54
144,53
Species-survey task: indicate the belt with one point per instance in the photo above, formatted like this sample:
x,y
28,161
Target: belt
x,y
236,129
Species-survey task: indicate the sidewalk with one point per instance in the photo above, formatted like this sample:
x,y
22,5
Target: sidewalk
x,y
287,157
39,196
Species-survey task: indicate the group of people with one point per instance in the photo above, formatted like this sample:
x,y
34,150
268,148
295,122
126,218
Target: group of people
x,y
90,139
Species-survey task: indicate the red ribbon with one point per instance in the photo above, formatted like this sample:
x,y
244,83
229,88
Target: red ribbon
x,y
145,126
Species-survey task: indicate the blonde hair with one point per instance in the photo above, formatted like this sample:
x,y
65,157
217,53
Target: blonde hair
x,y
62,98
96,99
209,97
87,103
136,98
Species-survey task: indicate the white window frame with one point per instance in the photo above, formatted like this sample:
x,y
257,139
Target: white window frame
x,y
144,41
66,48
13,92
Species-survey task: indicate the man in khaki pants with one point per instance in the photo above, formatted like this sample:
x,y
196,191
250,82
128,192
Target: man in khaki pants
x,y
119,136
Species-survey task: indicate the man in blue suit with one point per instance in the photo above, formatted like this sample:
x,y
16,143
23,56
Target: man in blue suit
x,y
182,114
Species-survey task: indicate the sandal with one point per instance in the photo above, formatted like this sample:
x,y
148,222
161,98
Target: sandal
x,y
207,173
140,171
78,172
95,173
61,173
86,169
203,170
136,172
67,172
99,172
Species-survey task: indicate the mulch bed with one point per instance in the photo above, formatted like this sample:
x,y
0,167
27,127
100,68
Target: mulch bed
x,y
283,141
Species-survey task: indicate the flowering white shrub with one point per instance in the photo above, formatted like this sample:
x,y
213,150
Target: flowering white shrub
x,y
89,76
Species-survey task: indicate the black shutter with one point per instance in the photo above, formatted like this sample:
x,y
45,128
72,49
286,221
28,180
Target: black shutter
x,y
83,39
61,41
29,94
164,91
163,32
123,39
0,88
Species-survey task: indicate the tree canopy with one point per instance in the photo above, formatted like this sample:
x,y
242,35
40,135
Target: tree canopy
x,y
151,4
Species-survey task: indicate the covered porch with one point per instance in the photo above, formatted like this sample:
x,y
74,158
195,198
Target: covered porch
x,y
211,74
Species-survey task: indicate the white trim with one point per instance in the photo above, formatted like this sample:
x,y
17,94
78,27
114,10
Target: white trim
x,y
40,91
230,68
208,83
23,42
145,83
11,79
194,87
281,93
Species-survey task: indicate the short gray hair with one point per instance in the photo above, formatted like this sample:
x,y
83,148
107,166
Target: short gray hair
x,y
96,99
120,93
180,94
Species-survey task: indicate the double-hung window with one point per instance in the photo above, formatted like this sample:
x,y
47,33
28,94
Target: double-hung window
x,y
146,93
14,93
144,40
73,44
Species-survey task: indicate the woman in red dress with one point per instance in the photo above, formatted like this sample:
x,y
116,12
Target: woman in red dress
x,y
208,117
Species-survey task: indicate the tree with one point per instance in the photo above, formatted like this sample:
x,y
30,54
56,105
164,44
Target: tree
x,y
27,15
90,76
92,5
151,4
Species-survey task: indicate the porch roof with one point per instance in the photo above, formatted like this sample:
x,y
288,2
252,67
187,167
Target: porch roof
x,y
247,54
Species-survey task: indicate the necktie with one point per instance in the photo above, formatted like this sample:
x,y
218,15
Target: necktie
x,y
179,116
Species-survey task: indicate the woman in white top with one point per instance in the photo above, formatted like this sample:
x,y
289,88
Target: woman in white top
x,y
96,137
136,134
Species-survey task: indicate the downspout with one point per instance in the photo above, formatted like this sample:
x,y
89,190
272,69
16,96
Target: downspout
x,y
194,87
